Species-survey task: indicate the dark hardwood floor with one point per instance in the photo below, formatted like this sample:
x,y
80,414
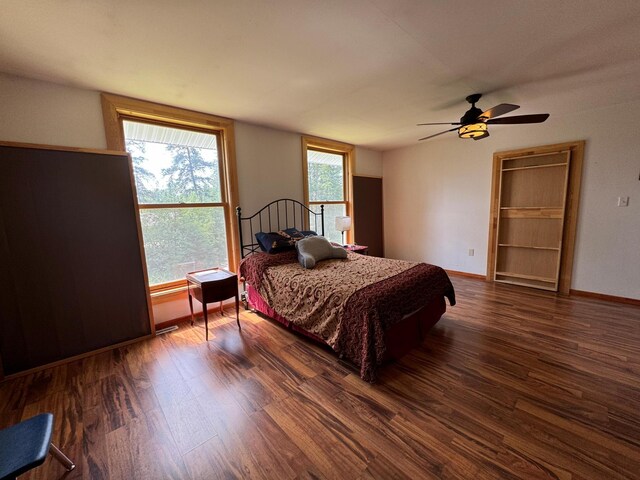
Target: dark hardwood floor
x,y
511,383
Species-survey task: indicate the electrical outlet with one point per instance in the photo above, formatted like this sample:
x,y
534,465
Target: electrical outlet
x,y
623,201
471,252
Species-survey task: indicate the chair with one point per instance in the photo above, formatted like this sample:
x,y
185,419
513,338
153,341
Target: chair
x,y
25,446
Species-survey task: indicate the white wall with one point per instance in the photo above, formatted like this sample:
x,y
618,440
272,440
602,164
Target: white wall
x,y
39,112
437,197
368,163
269,166
269,161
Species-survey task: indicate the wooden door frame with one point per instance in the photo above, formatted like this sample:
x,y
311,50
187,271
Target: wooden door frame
x,y
571,211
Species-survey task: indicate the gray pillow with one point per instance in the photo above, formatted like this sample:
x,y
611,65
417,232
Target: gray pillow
x,y
313,249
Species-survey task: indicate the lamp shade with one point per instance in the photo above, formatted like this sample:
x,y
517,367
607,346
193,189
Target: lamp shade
x,y
343,224
474,130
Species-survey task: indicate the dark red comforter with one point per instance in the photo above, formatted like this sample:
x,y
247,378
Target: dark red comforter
x,y
369,311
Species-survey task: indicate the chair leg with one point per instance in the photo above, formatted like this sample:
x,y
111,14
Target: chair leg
x,y
61,457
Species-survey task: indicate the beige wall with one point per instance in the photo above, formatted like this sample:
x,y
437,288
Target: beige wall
x,y
269,161
436,197
39,112
269,166
368,163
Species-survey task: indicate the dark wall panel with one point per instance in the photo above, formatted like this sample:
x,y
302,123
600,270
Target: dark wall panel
x,y
367,213
71,277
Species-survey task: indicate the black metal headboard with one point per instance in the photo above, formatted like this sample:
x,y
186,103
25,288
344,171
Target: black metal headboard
x,y
277,215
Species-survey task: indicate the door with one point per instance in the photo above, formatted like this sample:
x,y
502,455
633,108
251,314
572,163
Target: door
x,y
367,213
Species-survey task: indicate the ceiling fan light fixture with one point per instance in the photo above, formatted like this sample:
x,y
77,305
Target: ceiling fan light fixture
x,y
473,130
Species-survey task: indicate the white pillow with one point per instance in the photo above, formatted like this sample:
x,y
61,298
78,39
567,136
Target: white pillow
x,y
311,250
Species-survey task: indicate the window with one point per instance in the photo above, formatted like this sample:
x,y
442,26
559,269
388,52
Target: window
x,y
327,181
184,187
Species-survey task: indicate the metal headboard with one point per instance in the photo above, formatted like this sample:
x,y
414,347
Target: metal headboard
x,y
277,215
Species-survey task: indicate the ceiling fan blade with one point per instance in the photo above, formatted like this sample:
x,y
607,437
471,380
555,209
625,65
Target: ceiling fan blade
x,y
431,136
518,119
498,110
444,123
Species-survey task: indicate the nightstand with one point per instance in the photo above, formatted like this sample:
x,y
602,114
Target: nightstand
x,y
361,249
213,285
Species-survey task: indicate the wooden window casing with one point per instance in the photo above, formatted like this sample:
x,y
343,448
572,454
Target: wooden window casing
x,y
116,109
347,152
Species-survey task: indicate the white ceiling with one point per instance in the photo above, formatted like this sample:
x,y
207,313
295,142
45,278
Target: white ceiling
x,y
360,71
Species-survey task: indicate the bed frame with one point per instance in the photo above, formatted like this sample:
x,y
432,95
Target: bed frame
x,y
278,215
287,213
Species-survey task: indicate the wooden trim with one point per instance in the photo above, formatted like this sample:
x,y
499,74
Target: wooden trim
x,y
552,288
61,148
78,357
576,153
567,156
572,203
537,151
367,176
327,144
166,288
605,297
233,197
215,307
115,108
349,154
156,111
526,277
151,206
477,276
531,167
494,214
542,154
527,246
175,295
337,202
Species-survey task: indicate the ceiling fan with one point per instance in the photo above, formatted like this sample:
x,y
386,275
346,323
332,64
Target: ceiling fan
x,y
474,123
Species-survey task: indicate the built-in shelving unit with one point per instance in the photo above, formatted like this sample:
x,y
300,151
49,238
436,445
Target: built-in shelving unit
x,y
532,200
534,210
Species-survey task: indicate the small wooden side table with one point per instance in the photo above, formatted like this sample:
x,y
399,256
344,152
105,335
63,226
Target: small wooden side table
x,y
362,249
213,285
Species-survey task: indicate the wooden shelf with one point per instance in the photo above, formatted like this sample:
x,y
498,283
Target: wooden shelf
x,y
531,208
528,246
527,277
551,288
534,166
532,212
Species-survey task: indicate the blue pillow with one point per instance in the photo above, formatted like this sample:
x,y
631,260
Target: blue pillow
x,y
273,242
297,234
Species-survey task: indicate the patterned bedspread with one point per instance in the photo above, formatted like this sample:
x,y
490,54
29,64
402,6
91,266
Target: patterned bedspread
x,y
349,303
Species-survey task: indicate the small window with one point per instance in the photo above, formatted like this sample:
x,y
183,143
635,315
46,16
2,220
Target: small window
x,y
327,182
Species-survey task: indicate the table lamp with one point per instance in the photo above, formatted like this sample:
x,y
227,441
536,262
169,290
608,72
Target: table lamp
x,y
342,225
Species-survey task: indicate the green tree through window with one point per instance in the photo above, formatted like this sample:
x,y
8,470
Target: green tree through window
x,y
177,176
326,173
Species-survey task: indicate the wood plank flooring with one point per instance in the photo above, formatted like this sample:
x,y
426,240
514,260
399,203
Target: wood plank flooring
x,y
511,383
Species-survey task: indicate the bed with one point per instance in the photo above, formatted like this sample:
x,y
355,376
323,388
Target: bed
x,y
369,310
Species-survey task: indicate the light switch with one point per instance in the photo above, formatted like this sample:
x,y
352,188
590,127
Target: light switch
x,y
471,252
623,201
